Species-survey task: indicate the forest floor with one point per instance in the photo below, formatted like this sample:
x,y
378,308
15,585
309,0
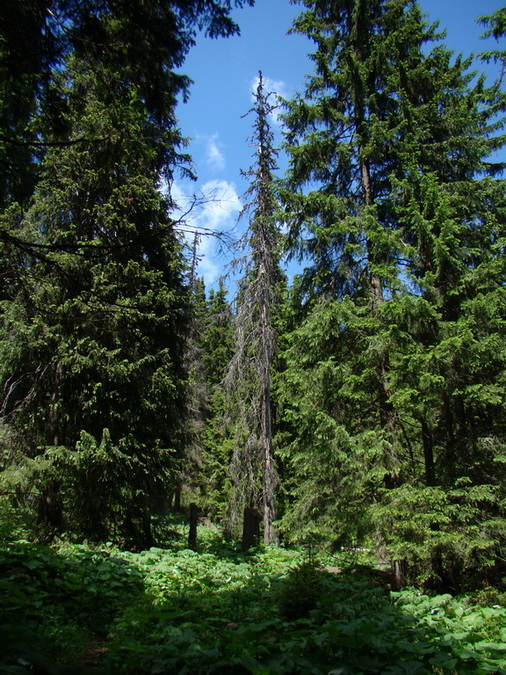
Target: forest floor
x,y
77,609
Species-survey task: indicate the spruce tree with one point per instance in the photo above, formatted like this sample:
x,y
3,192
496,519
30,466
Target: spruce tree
x,y
109,308
95,375
249,377
344,137
450,363
217,344
388,151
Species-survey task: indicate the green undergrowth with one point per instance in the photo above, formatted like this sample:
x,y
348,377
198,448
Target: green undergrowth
x,y
75,609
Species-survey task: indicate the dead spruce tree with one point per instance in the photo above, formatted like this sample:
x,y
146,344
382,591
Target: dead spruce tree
x,y
248,380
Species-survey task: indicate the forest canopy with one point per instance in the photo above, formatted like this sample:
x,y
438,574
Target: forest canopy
x,y
359,403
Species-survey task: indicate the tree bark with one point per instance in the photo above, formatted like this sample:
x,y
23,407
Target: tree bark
x,y
428,455
399,570
251,528
192,534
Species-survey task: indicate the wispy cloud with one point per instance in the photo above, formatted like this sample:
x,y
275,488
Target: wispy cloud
x,y
214,156
213,212
274,89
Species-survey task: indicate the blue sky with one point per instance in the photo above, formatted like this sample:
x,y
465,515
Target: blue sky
x,y
224,71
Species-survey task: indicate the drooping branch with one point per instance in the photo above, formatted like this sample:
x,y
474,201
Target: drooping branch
x,y
249,375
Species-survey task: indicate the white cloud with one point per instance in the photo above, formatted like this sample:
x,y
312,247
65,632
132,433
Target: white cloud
x,y
212,211
274,89
222,204
178,196
214,157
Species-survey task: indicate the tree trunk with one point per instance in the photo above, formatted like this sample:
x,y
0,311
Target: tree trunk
x,y
428,455
399,570
251,528
177,497
268,471
192,534
146,525
50,507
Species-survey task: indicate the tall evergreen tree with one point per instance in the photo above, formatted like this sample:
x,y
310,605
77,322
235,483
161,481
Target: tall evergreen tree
x,y
108,316
451,368
97,302
217,344
387,147
249,377
344,137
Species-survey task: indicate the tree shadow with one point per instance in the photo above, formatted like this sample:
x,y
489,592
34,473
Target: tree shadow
x,y
237,626
56,604
218,611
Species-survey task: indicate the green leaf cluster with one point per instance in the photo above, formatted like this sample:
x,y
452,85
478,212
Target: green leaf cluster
x,y
175,610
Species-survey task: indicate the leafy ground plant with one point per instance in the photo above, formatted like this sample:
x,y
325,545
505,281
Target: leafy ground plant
x,y
179,611
54,603
213,613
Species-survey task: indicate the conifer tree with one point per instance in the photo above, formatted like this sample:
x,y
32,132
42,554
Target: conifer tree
x,y
249,376
344,135
217,338
197,399
110,315
388,149
217,343
448,375
95,297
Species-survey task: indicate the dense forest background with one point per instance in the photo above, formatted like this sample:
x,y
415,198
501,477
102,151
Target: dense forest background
x,y
361,403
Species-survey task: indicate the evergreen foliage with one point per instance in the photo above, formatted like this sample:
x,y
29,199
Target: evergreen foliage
x,y
217,351
249,376
393,384
496,28
94,304
208,446
364,405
